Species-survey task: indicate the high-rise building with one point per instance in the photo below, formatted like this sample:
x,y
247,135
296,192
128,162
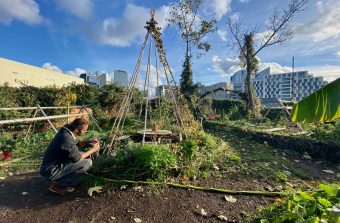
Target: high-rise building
x,y
90,79
121,77
104,78
237,79
286,86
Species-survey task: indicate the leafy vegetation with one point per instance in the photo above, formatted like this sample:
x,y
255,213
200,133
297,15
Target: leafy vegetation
x,y
320,206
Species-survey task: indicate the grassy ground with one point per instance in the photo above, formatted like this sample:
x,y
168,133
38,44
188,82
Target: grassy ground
x,y
247,159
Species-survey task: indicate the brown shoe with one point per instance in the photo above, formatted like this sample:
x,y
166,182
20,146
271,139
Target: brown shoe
x,y
57,190
69,189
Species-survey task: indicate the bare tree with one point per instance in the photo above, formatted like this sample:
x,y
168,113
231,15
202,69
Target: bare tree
x,y
278,31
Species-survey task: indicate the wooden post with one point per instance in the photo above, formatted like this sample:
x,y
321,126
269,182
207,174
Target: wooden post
x,y
92,117
42,111
30,126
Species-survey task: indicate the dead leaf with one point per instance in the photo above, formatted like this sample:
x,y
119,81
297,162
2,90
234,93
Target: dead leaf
x,y
278,200
216,167
222,218
203,212
137,220
230,199
96,189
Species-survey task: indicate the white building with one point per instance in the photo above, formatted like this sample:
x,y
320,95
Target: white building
x,y
121,77
104,78
91,79
237,79
286,86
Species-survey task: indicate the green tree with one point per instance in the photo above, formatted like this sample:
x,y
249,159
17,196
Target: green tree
x,y
184,16
186,84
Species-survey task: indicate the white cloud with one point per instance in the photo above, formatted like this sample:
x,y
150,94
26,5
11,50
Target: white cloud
x,y
26,11
49,66
76,72
244,1
80,8
130,28
275,68
330,73
337,54
217,8
140,82
222,35
228,66
324,26
225,67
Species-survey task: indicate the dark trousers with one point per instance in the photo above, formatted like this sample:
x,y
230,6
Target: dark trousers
x,y
67,174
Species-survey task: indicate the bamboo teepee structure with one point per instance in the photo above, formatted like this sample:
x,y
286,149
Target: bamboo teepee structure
x,y
153,36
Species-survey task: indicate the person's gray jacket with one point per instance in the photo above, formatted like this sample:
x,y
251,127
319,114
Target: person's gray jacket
x,y
61,150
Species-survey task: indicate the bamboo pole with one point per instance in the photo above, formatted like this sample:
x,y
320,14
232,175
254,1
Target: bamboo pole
x,y
188,186
39,118
30,126
49,121
32,108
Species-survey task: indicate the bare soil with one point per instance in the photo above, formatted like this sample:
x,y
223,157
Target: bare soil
x,y
24,197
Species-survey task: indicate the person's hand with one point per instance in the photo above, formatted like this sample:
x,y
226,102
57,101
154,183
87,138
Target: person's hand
x,y
93,141
96,147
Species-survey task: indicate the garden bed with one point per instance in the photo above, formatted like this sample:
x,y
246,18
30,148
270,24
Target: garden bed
x,y
316,149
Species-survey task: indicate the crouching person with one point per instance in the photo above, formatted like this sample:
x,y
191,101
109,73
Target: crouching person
x,y
63,163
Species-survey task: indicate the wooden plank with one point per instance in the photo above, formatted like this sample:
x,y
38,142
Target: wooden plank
x,y
39,118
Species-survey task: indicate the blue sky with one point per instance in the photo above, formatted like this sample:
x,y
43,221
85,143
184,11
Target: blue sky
x,y
74,36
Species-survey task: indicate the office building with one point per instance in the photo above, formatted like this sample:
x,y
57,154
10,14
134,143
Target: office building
x,y
286,86
121,77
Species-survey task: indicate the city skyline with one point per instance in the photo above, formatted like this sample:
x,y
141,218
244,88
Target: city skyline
x,y
88,36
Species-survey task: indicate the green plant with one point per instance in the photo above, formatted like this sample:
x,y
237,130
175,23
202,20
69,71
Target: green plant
x,y
148,161
328,132
282,176
188,149
320,206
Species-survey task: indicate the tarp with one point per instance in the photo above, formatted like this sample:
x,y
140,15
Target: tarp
x,y
321,106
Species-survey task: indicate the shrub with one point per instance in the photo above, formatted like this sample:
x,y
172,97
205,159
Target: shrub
x,y
188,149
327,132
148,161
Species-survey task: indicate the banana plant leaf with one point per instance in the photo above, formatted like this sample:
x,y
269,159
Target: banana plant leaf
x,y
321,106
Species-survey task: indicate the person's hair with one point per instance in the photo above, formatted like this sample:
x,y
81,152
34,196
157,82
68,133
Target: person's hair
x,y
77,123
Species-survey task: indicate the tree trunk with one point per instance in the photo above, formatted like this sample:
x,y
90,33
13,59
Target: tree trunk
x,y
251,63
248,88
